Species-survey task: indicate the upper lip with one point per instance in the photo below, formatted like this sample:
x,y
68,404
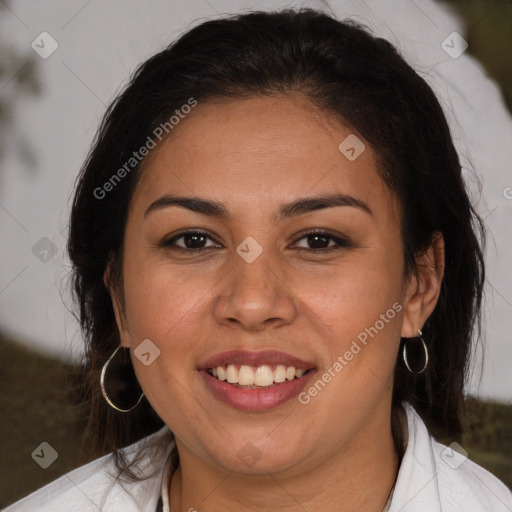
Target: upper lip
x,y
245,357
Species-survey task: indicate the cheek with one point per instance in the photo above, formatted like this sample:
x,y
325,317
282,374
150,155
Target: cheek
x,y
357,311
353,296
161,300
164,305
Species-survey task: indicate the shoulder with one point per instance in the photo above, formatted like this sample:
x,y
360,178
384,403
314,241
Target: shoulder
x,y
434,477
97,486
461,480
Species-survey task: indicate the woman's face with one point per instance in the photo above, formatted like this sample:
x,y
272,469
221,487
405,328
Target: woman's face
x,y
253,290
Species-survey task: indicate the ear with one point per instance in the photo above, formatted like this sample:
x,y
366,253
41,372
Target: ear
x,y
423,288
117,306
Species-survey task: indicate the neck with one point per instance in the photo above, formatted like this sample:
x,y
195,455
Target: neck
x,y
358,476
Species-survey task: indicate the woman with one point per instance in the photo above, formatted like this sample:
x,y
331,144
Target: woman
x,y
272,238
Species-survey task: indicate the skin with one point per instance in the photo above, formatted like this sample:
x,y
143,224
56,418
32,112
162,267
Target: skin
x,y
254,155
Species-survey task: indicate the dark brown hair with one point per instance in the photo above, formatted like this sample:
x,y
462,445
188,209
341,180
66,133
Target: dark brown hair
x,y
348,73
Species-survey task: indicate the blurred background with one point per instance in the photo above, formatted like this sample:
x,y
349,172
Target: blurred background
x,y
62,62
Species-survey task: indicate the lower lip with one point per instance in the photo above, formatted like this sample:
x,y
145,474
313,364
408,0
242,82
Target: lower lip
x,y
255,399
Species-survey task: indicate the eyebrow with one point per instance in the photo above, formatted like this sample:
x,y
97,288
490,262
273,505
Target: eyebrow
x,y
217,209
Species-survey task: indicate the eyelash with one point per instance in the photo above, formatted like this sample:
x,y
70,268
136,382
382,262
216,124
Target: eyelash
x,y
341,242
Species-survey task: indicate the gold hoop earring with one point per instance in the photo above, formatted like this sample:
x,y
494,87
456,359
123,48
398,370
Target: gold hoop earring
x,y
106,396
425,350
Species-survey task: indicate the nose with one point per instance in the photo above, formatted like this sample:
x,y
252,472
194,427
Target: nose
x,y
254,296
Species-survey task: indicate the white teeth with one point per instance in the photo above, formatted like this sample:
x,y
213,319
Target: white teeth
x,y
245,376
262,376
280,373
231,374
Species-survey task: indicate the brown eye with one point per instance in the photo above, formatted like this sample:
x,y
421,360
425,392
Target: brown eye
x,y
319,241
192,240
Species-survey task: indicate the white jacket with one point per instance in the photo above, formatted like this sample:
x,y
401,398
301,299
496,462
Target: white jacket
x,y
431,478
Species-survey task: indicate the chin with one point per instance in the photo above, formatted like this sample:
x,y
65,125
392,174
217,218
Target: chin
x,y
255,455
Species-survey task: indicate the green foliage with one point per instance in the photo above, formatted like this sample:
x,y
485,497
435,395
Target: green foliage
x,y
488,436
18,76
488,32
35,406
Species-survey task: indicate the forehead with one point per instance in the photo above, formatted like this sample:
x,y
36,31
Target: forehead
x,y
265,149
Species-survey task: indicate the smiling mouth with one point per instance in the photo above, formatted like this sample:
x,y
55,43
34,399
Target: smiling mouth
x,y
252,377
